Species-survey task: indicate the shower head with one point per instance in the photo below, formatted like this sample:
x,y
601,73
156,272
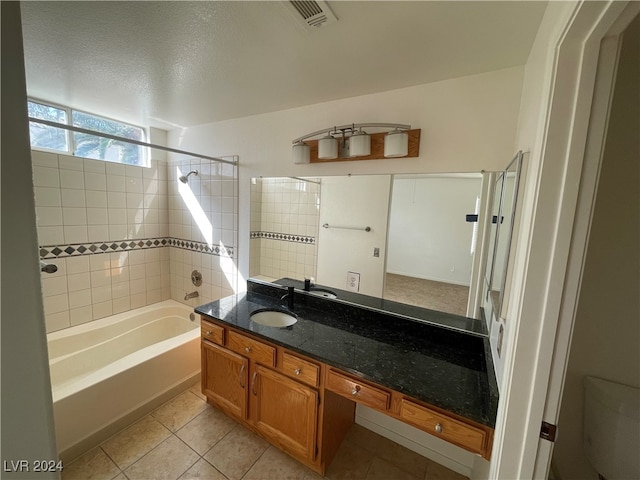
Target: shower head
x,y
185,178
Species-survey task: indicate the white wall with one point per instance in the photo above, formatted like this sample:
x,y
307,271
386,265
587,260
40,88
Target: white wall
x,y
606,334
356,201
27,414
428,235
468,124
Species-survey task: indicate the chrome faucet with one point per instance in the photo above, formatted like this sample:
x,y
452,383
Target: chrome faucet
x,y
194,294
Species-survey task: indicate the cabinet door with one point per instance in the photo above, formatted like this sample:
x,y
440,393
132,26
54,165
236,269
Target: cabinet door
x,y
224,379
285,411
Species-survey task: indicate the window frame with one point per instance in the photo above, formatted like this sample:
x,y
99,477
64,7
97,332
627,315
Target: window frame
x,y
71,141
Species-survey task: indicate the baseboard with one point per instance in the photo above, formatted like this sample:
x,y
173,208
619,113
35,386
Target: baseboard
x,y
422,443
71,453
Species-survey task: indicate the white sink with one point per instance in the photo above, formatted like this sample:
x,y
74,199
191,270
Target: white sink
x,y
273,318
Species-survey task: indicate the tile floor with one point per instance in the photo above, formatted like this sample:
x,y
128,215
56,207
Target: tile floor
x,y
187,439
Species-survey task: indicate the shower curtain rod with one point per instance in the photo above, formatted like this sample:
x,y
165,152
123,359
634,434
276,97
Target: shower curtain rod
x,y
127,140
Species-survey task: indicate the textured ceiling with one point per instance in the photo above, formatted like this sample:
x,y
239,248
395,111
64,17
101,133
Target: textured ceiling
x,y
187,63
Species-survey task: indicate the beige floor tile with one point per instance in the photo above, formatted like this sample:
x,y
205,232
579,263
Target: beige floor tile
x,y
366,439
204,431
382,470
406,459
135,441
196,389
167,461
93,465
276,465
178,411
122,476
435,471
236,452
202,470
352,462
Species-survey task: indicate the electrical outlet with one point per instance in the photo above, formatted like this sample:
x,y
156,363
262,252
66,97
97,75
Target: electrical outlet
x,y
376,252
353,281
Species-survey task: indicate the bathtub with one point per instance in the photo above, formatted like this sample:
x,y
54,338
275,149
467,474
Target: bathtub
x,y
108,373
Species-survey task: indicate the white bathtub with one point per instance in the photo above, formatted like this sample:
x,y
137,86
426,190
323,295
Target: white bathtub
x,y
108,373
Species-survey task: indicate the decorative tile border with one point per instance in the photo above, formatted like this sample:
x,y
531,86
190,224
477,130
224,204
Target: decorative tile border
x,y
287,237
76,249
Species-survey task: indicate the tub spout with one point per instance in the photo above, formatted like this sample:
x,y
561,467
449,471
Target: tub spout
x,y
195,294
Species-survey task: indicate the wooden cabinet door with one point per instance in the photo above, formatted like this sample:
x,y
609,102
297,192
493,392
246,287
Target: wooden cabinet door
x,y
285,411
224,379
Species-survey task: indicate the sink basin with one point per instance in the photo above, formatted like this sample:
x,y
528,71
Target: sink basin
x,y
321,292
273,318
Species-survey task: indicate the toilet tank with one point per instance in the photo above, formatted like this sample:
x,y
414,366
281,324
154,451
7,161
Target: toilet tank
x,y
612,428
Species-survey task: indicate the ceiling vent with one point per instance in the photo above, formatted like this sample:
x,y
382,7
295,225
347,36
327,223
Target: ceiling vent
x,y
310,14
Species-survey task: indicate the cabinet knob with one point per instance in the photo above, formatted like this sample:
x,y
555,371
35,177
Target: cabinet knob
x,y
247,349
355,390
438,428
297,371
208,332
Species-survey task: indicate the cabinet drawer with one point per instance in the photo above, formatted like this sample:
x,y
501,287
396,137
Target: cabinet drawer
x,y
300,369
359,392
211,332
454,431
258,351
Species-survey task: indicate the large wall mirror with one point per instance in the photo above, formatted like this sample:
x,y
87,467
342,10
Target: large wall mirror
x,y
503,213
404,238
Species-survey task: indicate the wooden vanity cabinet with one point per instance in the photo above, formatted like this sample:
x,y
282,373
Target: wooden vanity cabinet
x,y
225,378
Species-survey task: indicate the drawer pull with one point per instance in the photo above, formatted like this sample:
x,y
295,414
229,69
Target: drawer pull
x,y
355,390
247,349
297,371
208,332
240,375
439,428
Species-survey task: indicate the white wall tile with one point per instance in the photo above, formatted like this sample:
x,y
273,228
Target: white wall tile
x,y
120,290
46,177
121,304
48,216
115,168
73,198
96,199
76,265
116,183
100,278
136,257
81,315
154,296
55,303
97,216
138,286
47,197
133,185
80,298
50,235
95,166
53,286
44,159
74,216
100,294
57,321
118,232
138,300
101,310
117,216
99,262
95,181
98,233
78,281
133,171
67,162
72,179
137,272
76,234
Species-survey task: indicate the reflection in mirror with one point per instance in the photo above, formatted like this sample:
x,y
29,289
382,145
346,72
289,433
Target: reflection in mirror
x,y
506,193
418,249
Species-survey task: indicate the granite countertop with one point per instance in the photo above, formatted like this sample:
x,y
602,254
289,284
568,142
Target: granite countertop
x,y
443,367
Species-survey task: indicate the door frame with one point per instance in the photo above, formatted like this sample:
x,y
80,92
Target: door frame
x,y
554,237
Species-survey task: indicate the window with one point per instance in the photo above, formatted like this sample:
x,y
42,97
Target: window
x,y
84,144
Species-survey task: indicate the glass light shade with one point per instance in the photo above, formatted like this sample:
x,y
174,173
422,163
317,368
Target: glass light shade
x,y
327,148
301,152
360,144
396,144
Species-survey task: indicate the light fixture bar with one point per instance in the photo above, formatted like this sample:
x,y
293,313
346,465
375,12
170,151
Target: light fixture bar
x,y
352,127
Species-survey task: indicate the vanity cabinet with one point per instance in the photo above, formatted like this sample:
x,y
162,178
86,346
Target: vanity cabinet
x,y
304,406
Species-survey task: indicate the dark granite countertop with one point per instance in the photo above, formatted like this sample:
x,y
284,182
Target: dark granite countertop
x,y
441,366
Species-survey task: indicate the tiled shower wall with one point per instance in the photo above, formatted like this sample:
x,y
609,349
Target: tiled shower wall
x,y
107,228
203,212
284,227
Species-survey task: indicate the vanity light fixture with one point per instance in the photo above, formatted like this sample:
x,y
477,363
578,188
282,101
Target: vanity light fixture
x,y
351,142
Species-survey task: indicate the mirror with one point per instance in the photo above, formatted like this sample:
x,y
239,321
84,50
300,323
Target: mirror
x,y
504,210
403,238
